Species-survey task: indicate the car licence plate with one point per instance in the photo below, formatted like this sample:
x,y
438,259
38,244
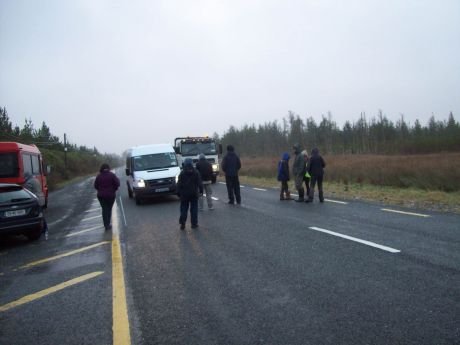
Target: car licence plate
x,y
159,190
15,213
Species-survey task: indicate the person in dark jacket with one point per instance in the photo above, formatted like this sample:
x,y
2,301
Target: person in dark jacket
x,y
298,170
188,186
205,170
315,168
106,184
283,176
231,164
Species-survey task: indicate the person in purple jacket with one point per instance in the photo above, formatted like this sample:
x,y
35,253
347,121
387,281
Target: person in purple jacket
x,y
106,184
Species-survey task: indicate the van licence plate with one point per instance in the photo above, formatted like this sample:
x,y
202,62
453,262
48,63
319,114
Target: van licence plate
x,y
15,213
159,190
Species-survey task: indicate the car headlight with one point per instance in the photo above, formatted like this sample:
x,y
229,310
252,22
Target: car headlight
x,y
139,183
215,167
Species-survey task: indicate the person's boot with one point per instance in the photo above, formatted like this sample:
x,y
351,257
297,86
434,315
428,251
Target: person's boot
x,y
321,196
301,198
281,196
288,196
310,197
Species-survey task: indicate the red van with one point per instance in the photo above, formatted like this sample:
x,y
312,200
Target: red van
x,y
17,159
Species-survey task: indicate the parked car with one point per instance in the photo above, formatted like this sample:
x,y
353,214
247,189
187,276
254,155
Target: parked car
x,y
20,212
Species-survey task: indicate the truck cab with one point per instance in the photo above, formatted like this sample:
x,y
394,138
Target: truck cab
x,y
192,147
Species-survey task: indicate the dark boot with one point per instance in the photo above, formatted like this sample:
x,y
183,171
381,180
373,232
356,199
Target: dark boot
x,y
288,196
321,196
281,195
301,196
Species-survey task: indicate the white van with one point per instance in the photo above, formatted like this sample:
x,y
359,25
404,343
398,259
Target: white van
x,y
152,170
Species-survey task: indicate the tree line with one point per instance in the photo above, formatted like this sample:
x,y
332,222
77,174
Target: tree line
x,y
67,160
375,135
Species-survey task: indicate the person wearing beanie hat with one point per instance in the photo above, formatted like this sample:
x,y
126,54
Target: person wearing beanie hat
x,y
188,187
315,168
231,164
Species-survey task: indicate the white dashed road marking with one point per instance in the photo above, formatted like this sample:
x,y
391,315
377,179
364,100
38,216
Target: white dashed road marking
x,y
368,243
95,217
214,198
336,201
83,231
261,189
408,213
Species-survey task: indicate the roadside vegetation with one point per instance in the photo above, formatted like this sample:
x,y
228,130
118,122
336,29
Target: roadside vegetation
x,y
77,161
410,181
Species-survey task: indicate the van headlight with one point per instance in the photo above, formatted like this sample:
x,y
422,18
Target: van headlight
x,y
215,167
139,183
177,178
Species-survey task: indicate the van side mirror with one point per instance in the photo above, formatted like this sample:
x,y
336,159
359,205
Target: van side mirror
x,y
177,149
220,149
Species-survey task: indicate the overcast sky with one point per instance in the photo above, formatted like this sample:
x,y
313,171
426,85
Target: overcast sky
x,y
114,74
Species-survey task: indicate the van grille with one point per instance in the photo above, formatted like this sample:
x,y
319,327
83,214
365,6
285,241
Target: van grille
x,y
161,182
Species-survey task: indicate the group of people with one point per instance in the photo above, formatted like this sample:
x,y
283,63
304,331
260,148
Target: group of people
x,y
306,170
195,182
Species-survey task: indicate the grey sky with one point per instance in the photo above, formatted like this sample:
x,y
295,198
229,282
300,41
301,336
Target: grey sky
x,y
115,74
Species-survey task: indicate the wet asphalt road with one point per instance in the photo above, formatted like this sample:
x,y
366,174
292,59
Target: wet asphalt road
x,y
265,272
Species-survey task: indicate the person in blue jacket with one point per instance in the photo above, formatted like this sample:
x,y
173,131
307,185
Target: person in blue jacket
x,y
283,176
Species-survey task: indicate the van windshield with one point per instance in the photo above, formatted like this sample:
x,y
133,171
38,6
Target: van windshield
x,y
9,165
155,161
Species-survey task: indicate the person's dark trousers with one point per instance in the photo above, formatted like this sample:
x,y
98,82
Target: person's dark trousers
x,y
307,184
106,204
284,189
233,189
184,205
313,181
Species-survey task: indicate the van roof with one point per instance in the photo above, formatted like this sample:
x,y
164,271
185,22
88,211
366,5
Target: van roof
x,y
150,149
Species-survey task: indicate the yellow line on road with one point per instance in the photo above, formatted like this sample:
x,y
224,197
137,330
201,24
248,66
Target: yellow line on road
x,y
121,334
408,213
52,258
43,293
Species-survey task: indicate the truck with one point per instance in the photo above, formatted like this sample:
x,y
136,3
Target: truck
x,y
192,147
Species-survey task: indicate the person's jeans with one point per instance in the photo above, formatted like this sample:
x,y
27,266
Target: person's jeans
x,y
313,181
184,205
106,204
233,189
208,191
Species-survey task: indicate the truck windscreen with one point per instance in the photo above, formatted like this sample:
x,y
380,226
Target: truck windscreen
x,y
9,165
195,148
155,161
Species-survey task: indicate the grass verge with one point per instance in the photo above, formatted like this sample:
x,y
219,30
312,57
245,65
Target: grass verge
x,y
406,197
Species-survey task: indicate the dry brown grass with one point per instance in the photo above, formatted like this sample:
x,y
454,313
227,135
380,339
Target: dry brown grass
x,y
419,181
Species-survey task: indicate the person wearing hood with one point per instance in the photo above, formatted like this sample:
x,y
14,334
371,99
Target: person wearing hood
x,y
283,176
298,169
315,168
205,170
231,164
106,184
189,185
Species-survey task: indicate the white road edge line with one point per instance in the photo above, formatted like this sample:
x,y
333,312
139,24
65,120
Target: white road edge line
x,y
86,219
83,231
261,189
222,182
123,211
336,201
368,243
214,198
408,213
242,186
93,209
